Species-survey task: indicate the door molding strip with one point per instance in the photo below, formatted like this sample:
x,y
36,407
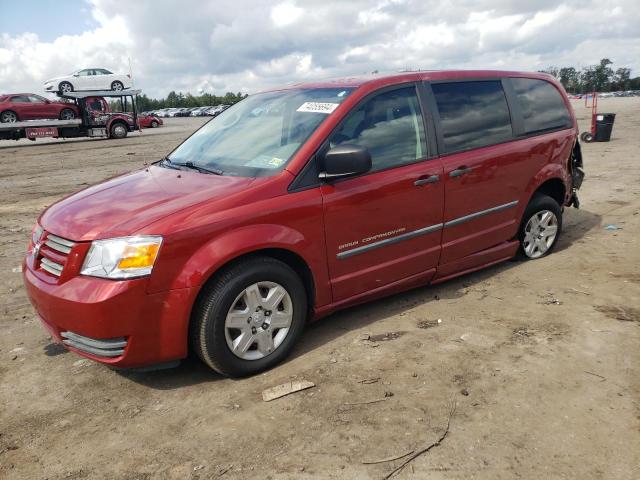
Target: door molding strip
x,y
481,213
423,231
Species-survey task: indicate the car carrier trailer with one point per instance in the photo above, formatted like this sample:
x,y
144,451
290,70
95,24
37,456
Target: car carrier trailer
x,y
92,122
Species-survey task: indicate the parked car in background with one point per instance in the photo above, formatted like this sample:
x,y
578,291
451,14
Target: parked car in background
x,y
16,107
232,242
149,121
89,79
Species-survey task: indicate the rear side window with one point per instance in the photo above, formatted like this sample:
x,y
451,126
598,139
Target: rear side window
x,y
472,114
390,126
541,105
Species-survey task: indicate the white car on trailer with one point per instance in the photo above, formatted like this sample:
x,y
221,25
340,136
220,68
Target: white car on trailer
x,y
89,79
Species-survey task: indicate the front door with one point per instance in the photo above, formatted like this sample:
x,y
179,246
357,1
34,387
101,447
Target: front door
x,y
384,226
482,166
39,108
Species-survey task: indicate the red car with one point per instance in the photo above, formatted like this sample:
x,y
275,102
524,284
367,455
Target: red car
x,y
16,107
297,202
149,121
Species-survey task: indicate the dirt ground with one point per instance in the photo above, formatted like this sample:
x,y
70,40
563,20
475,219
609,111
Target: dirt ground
x,y
541,359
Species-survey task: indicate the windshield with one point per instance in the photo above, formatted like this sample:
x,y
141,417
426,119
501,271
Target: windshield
x,y
260,134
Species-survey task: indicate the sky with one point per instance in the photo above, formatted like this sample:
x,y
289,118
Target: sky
x,y
248,45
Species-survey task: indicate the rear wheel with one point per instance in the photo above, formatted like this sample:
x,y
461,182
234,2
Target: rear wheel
x,y
117,86
8,117
249,318
65,87
118,130
540,227
67,114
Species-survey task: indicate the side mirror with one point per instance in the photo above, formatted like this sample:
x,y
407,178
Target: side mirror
x,y
76,75
345,161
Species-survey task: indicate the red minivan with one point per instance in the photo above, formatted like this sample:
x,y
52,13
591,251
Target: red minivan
x,y
300,201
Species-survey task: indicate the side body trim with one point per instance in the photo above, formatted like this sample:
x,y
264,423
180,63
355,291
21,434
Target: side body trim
x,y
481,213
423,231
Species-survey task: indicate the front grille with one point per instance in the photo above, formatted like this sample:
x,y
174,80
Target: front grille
x,y
112,347
59,244
51,266
53,253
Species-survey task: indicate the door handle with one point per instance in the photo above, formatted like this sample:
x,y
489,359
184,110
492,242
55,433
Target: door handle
x,y
458,172
425,181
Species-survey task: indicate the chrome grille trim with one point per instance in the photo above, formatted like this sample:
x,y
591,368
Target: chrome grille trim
x,y
59,244
51,266
112,347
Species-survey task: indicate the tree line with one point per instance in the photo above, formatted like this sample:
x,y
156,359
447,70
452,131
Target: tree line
x,y
181,100
595,78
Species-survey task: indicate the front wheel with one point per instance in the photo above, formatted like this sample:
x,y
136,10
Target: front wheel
x,y
249,318
118,130
154,124
65,87
540,227
117,86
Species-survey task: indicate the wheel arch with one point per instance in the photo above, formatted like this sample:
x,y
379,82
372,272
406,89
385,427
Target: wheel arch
x,y
114,122
554,188
286,256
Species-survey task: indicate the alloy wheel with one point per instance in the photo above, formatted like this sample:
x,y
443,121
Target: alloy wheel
x,y
540,233
258,321
8,117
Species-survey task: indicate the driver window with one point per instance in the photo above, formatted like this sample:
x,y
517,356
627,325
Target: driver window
x,y
390,126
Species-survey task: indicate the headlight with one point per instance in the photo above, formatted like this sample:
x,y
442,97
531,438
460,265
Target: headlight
x,y
120,258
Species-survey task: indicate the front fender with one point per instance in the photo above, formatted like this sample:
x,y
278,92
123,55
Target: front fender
x,y
227,246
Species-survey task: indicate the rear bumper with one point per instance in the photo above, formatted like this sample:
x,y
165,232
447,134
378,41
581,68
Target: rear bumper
x,y
113,322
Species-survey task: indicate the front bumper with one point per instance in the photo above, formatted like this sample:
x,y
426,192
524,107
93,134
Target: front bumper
x,y
114,322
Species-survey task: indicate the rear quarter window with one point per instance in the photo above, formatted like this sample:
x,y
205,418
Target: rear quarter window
x,y
541,105
472,114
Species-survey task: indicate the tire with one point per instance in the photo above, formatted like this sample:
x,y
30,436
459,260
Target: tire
x,y
587,137
65,87
118,130
8,116
225,301
540,227
67,114
154,124
117,86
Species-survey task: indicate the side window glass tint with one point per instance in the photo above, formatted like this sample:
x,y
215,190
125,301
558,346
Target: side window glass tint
x,y
390,126
541,105
472,114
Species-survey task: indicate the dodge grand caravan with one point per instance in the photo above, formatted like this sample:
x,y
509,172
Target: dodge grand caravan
x,y
299,201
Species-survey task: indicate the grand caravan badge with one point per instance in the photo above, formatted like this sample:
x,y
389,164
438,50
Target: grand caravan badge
x,y
373,238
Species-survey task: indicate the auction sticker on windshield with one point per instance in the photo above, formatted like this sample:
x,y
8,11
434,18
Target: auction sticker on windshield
x,y
317,107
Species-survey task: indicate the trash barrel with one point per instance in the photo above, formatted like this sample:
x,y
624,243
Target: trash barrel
x,y
604,125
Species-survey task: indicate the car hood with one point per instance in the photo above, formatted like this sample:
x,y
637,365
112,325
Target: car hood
x,y
125,204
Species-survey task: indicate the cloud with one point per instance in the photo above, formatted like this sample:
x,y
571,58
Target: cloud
x,y
242,45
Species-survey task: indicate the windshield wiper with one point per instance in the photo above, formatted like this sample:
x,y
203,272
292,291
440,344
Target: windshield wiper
x,y
175,165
